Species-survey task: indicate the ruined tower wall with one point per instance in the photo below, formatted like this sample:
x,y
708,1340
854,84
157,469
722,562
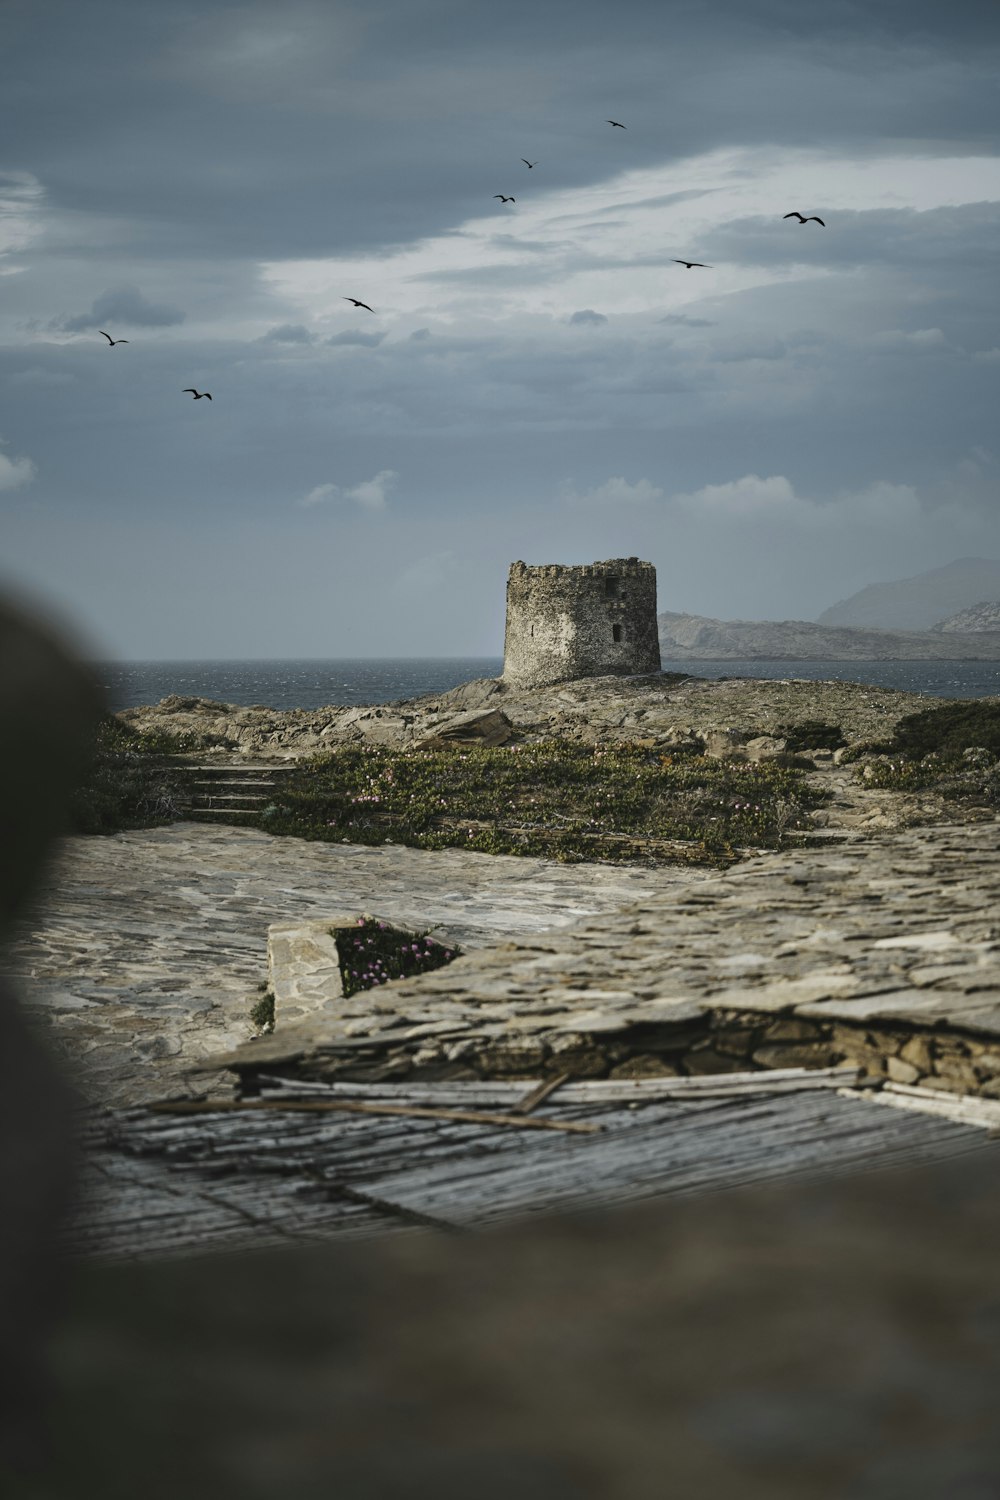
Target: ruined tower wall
x,y
565,622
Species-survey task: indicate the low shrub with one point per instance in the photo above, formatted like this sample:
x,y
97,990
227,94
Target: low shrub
x,y
567,801
812,734
947,730
127,785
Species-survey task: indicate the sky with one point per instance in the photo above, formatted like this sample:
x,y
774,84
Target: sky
x,y
812,412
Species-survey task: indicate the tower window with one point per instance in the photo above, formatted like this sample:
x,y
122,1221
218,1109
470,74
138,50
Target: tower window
x,y
616,631
611,588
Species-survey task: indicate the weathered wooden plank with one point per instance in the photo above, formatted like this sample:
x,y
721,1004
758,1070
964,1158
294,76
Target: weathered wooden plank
x,y
748,1144
234,1179
291,1105
959,1108
582,1091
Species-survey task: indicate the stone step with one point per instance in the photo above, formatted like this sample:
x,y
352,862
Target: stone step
x,y
230,781
228,797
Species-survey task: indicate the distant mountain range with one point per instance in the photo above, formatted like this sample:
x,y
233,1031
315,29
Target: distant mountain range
x,y
695,638
979,617
919,603
943,615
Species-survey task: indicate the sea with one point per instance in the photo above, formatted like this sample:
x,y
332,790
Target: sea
x,y
352,680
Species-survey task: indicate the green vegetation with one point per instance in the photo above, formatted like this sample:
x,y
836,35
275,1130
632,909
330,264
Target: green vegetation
x,y
375,952
561,800
953,750
128,785
947,730
262,1011
812,734
972,776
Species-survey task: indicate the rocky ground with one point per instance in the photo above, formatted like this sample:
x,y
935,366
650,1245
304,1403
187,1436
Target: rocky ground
x,y
593,710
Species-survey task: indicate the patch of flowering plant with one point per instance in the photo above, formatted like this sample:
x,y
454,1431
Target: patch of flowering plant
x,y
373,952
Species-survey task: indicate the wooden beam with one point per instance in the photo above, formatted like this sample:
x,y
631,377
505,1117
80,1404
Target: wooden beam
x,y
356,1107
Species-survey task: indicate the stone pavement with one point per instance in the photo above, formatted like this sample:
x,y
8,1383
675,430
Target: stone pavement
x,y
146,956
885,953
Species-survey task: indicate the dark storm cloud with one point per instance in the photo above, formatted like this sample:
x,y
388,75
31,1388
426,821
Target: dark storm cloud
x,y
254,131
124,305
173,147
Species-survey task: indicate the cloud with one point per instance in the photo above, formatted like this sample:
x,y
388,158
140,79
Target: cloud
x,y
770,499
370,494
750,496
287,333
15,471
893,339
615,491
587,315
352,336
683,320
124,304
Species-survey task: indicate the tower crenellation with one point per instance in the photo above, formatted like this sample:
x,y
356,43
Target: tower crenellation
x,y
589,621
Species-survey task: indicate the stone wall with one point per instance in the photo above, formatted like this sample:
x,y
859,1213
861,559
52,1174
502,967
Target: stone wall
x,y
592,621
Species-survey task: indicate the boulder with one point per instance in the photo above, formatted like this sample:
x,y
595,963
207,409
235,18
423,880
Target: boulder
x,y
765,747
725,744
488,730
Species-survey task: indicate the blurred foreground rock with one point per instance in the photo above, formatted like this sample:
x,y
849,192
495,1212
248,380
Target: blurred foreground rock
x,y
48,708
812,1342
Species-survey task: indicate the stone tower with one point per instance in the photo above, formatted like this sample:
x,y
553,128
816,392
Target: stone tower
x,y
590,621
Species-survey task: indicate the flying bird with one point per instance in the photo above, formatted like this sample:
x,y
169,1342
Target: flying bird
x,y
528,163
359,304
804,220
197,394
690,263
503,199
617,124
112,341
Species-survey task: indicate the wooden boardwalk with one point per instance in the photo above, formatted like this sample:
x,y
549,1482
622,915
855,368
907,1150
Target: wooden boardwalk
x,y
161,1184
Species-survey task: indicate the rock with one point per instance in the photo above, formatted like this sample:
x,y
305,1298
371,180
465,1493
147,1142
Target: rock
x,y
902,1072
917,1052
49,708
644,1065
489,729
725,744
683,741
818,1054
765,747
791,1029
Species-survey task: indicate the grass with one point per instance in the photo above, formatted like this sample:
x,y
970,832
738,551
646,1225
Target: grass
x,y
948,730
971,776
375,952
262,1011
128,786
556,799
953,751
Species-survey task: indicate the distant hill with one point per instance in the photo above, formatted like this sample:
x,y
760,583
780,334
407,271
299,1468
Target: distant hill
x,y
919,603
972,621
696,638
